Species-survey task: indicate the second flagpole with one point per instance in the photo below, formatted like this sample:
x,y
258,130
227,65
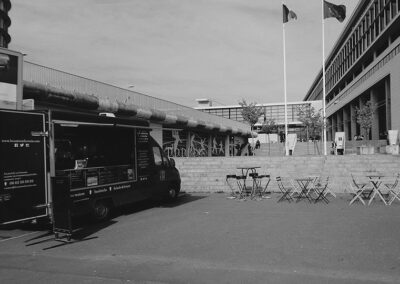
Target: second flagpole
x,y
323,80
284,87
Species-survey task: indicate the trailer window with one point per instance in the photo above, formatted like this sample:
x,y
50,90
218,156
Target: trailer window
x,y
100,146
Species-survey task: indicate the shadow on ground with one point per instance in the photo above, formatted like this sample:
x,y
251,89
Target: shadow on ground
x,y
84,227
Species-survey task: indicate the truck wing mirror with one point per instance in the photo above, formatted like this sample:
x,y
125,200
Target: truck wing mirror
x,y
4,62
172,162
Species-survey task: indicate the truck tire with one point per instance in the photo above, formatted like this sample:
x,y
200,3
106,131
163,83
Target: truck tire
x,y
101,210
172,193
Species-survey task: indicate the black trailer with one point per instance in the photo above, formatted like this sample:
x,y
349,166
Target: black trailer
x,y
60,164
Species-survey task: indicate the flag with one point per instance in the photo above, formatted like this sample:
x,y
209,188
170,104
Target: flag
x,y
288,14
336,11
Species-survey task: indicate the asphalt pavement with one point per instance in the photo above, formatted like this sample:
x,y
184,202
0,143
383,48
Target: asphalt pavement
x,y
207,238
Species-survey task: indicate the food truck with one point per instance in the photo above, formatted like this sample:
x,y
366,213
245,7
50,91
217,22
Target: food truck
x,y
59,164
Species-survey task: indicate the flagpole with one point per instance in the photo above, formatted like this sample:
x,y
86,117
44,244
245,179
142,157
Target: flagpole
x,y
323,80
284,88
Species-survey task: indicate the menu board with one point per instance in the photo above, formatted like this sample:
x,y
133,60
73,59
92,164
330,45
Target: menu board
x,y
22,165
143,154
89,177
77,178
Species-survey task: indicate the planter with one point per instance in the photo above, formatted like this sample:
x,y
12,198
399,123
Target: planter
x,y
392,149
392,135
365,150
371,150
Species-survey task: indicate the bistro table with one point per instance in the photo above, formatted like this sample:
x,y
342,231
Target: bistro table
x,y
246,172
304,184
376,182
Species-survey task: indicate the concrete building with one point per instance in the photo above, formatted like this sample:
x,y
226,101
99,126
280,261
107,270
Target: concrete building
x,y
182,131
364,65
272,111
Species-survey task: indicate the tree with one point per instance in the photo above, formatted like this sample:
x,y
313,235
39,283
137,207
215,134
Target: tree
x,y
251,114
311,119
364,117
269,126
313,122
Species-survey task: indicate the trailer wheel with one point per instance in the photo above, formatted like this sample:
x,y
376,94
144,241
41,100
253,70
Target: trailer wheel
x,y
101,210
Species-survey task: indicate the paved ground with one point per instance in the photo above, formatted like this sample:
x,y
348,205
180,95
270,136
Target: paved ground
x,y
210,239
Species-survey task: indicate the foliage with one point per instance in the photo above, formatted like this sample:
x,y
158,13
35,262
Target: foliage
x,y
364,116
251,112
269,126
311,118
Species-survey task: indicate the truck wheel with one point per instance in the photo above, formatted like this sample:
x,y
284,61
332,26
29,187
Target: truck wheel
x,y
172,193
101,210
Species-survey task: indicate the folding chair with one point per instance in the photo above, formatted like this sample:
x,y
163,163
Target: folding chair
x,y
260,185
285,190
329,191
295,188
393,190
320,188
357,190
311,187
229,180
251,191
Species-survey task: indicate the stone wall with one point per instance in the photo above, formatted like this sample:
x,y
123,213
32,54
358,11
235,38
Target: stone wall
x,y
208,174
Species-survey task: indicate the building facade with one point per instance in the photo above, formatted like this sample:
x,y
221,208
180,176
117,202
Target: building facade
x,y
271,111
180,130
364,65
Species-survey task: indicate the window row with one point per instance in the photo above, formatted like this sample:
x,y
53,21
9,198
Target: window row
x,y
376,18
276,113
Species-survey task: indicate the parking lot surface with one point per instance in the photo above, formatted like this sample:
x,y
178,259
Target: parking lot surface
x,y
207,238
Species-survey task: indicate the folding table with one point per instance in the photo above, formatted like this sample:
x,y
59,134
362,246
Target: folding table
x,y
246,172
304,183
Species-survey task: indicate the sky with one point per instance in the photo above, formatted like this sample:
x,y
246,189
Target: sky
x,y
180,50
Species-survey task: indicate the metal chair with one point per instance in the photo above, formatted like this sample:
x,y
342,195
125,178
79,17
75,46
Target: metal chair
x,y
241,182
251,192
357,190
285,190
260,185
229,180
320,187
329,191
393,190
295,188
